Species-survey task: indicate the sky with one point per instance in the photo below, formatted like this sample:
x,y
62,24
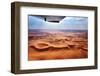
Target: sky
x,y
70,23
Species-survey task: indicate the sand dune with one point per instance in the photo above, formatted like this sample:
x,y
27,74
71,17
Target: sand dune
x,y
58,45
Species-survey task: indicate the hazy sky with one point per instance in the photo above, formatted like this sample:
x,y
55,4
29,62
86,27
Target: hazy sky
x,y
74,23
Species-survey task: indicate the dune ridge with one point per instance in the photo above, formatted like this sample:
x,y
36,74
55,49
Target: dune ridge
x,y
57,45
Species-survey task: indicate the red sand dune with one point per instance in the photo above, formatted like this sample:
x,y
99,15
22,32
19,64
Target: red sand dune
x,y
57,46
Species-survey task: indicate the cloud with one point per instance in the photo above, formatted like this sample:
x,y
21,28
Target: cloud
x,y
80,23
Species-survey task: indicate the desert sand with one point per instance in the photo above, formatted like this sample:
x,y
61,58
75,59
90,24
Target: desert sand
x,y
57,45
